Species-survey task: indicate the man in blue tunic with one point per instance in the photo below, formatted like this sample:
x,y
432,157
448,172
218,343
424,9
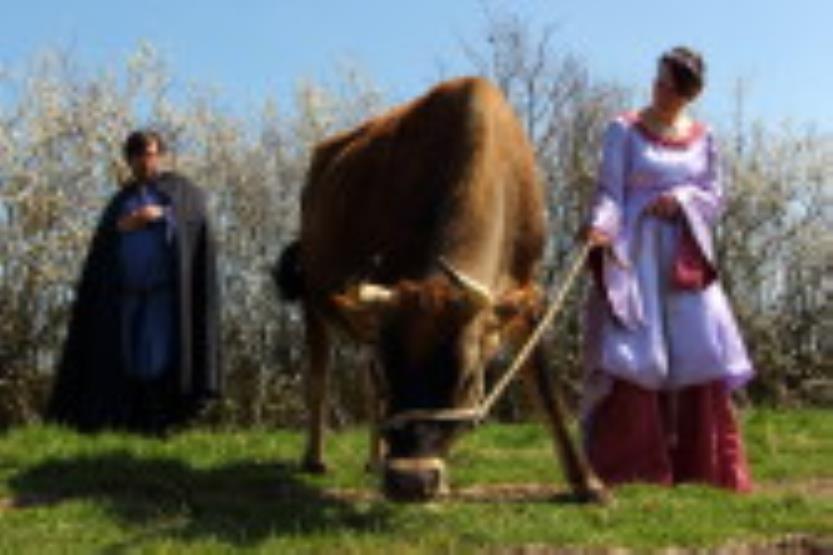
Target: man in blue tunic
x,y
142,348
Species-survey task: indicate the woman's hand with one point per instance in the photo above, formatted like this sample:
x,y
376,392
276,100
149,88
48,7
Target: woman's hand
x,y
140,217
665,206
595,237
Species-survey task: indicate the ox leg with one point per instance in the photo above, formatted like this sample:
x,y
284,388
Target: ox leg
x,y
583,481
375,403
315,385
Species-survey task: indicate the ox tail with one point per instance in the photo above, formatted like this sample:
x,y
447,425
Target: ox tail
x,y
288,273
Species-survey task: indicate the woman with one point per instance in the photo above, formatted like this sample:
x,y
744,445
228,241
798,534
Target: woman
x,y
662,348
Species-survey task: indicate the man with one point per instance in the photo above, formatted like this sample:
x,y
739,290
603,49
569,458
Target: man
x,y
142,347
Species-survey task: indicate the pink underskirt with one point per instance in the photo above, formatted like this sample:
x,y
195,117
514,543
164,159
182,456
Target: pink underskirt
x,y
690,435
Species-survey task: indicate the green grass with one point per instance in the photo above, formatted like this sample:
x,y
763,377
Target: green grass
x,y
221,492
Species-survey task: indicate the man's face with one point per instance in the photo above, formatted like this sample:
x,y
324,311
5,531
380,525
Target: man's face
x,y
146,164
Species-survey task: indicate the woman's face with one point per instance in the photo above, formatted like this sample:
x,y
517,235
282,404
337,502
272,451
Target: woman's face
x,y
665,93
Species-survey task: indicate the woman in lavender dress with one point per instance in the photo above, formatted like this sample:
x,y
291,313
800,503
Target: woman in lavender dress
x,y
663,350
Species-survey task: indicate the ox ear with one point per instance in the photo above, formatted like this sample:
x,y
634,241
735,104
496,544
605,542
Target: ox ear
x,y
477,294
361,308
511,319
527,301
517,308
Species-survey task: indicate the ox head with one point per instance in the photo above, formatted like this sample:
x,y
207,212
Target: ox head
x,y
430,340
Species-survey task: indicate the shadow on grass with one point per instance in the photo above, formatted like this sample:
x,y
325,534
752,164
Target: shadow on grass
x,y
241,504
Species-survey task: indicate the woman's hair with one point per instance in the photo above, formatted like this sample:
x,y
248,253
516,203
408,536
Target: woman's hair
x,y
138,141
687,70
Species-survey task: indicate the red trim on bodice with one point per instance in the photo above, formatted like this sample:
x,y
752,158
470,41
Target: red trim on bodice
x,y
696,131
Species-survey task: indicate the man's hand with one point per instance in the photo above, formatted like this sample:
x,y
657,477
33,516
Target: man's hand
x,y
140,217
665,206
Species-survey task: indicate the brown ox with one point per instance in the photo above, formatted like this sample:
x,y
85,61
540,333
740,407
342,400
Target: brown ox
x,y
421,233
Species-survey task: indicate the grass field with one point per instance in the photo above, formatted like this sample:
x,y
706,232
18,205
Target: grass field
x,y
239,491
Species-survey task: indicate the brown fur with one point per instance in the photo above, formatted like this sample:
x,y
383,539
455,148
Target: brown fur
x,y
448,176
439,175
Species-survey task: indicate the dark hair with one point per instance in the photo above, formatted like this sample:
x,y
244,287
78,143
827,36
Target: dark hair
x,y
138,141
687,70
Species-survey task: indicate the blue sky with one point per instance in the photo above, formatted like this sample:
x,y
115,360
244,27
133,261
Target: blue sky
x,y
779,49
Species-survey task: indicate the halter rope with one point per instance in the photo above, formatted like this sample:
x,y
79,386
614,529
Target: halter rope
x,y
477,414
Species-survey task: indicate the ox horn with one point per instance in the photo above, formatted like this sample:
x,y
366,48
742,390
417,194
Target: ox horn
x,y
478,293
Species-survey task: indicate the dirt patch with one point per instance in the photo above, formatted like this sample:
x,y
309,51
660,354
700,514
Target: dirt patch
x,y
474,494
27,501
814,487
488,493
795,544
532,493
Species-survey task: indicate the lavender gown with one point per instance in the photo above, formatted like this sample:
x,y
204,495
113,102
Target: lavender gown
x,y
640,328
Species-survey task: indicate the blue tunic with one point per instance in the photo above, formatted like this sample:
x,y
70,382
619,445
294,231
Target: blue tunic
x,y
147,258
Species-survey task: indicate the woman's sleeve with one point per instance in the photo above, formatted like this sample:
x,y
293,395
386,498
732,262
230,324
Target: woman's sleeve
x,y
616,277
704,196
606,208
702,201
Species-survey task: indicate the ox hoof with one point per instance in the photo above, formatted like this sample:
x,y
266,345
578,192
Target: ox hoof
x,y
313,467
598,495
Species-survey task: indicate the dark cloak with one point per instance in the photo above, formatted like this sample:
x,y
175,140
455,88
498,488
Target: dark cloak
x,y
92,390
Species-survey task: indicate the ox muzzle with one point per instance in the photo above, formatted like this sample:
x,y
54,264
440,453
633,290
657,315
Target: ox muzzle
x,y
418,440
414,479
